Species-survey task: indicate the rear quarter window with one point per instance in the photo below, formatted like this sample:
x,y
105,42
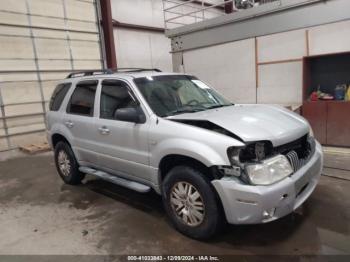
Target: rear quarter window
x,y
83,98
58,95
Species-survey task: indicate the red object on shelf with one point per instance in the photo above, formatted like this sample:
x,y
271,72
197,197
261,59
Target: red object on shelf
x,y
314,96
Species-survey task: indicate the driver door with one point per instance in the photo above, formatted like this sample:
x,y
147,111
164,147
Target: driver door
x,y
122,146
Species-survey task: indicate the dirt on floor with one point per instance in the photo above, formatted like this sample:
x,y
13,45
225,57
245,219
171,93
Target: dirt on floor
x,y
41,215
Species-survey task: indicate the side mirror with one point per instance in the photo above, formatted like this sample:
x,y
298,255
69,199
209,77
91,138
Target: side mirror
x,y
130,114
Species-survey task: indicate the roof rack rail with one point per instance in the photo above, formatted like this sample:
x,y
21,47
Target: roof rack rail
x,y
131,69
90,73
110,71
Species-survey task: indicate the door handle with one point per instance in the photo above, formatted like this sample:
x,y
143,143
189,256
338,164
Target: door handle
x,y
69,124
104,130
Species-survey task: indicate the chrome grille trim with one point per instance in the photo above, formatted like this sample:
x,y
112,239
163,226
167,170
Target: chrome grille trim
x,y
293,158
297,162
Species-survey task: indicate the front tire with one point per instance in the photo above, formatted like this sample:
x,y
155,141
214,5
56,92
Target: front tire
x,y
66,164
191,203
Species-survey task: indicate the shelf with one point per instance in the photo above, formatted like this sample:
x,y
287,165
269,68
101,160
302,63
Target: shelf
x,y
328,118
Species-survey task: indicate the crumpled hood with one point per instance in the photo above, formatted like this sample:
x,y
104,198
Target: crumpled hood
x,y
255,122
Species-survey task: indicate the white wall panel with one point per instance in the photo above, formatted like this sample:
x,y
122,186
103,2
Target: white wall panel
x,y
53,76
52,48
138,48
55,65
140,12
160,52
14,31
48,87
331,38
85,50
17,77
16,47
280,83
23,109
141,48
87,64
13,6
133,48
229,68
29,91
49,33
83,36
21,91
24,121
46,7
283,46
13,19
10,64
81,10
82,26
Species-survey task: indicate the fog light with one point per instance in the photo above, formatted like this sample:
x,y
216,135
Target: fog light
x,y
269,213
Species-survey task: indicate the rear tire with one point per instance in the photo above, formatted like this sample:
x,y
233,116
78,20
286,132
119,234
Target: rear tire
x,y
191,203
66,164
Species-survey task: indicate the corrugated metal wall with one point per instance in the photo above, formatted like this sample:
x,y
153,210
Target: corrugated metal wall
x,y
140,47
40,42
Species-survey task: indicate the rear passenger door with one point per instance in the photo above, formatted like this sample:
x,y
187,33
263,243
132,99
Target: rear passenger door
x,y
123,146
79,122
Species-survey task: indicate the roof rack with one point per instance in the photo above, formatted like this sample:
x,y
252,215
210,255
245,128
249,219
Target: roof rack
x,y
131,69
90,73
110,71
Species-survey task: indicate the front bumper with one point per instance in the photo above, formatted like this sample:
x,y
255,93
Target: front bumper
x,y
248,204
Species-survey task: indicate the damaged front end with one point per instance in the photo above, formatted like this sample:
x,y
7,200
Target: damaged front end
x,y
259,163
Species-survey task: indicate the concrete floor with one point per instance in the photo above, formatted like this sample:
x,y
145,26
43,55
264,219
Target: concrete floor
x,y
41,215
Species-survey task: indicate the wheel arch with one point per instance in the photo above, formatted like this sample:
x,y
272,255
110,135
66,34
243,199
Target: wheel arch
x,y
55,138
172,160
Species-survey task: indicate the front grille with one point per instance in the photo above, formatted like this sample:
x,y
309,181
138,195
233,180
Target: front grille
x,y
299,146
299,151
294,160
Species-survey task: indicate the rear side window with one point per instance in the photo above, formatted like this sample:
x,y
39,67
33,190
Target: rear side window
x,y
58,95
83,98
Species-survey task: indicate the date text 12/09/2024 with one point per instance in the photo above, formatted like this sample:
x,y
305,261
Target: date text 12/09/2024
x,y
173,258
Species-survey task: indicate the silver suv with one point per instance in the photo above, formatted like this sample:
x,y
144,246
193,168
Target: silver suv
x,y
212,161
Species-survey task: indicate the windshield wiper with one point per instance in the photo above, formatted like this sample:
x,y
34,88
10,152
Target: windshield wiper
x,y
217,106
182,111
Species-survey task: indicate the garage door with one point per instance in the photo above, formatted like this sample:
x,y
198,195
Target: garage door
x,y
41,42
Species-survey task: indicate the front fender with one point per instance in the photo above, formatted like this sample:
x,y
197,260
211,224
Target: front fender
x,y
186,147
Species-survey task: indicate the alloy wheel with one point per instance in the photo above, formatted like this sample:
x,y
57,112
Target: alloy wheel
x,y
64,163
187,203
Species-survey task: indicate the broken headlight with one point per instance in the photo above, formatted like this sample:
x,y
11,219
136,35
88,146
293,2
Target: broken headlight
x,y
269,171
257,164
255,151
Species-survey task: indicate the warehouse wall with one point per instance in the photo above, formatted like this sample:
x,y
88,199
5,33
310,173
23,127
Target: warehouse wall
x,y
41,41
265,69
141,47
148,48
230,68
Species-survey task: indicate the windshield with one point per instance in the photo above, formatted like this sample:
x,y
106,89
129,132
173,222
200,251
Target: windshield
x,y
176,94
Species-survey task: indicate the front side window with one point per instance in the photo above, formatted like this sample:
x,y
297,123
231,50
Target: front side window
x,y
115,95
169,95
83,98
58,95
